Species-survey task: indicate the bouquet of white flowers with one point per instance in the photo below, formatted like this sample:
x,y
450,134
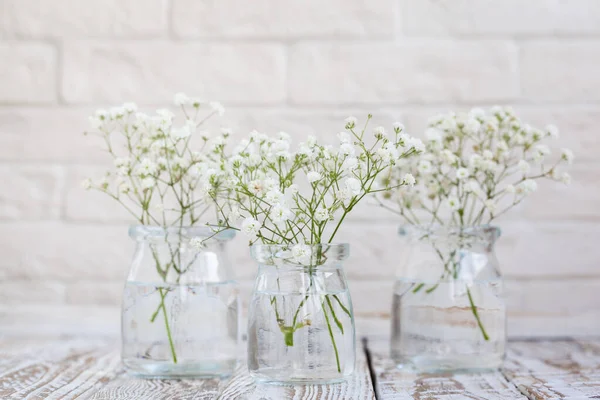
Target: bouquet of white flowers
x,y
476,167
160,180
300,198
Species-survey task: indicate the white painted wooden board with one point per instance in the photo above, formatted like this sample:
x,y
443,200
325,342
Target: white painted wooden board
x,y
67,368
395,384
550,369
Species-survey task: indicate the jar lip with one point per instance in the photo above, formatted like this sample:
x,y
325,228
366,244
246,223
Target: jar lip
x,y
313,254
188,232
437,230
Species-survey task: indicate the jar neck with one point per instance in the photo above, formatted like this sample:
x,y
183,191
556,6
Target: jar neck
x,y
481,238
300,256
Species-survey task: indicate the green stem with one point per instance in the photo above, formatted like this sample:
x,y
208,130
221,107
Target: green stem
x,y
337,356
476,314
343,307
335,318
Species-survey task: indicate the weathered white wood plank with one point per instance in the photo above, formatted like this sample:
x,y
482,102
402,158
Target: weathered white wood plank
x,y
125,387
567,369
58,369
395,384
358,387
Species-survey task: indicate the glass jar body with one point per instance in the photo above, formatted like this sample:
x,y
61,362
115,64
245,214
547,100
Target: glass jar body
x,y
180,311
448,311
300,318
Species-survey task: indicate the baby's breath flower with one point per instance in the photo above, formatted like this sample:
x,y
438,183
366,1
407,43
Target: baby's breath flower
x,y
197,243
565,178
379,132
86,184
301,253
217,107
350,122
181,99
453,203
462,173
251,227
321,214
567,155
552,131
524,166
409,179
344,137
313,176
148,183
398,127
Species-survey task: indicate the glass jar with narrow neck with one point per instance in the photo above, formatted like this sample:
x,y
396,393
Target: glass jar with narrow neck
x,y
448,312
180,311
300,322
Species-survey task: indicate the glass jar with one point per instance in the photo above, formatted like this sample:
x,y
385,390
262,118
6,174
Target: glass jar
x,y
300,319
448,312
180,311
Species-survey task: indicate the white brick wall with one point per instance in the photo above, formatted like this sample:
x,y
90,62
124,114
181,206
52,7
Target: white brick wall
x,y
301,67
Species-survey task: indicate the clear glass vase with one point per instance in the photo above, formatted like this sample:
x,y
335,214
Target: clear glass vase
x,y
180,311
448,312
300,322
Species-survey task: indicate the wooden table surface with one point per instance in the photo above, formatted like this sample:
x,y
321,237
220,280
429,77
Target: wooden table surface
x,y
89,368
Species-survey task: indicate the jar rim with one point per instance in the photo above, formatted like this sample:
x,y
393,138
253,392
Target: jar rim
x,y
439,231
157,232
314,253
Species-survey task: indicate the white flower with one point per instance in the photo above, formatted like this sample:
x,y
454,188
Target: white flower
x,y
472,126
218,107
344,137
462,173
409,180
301,253
349,164
121,162
273,196
398,127
541,151
414,143
279,214
346,149
130,107
148,183
490,205
353,185
472,186
181,99
321,214
257,187
311,141
250,227
524,166
86,184
313,176
433,135
425,167
476,113
565,178
552,131
567,155
350,122
234,214
453,203
510,189
197,243
488,155
379,132
181,133
146,167
526,187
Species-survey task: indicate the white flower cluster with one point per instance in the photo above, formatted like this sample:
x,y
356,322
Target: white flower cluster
x,y
286,195
156,176
476,166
